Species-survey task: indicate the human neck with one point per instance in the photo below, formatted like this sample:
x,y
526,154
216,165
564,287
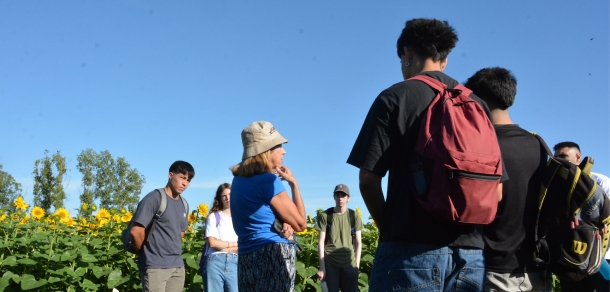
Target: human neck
x,y
501,117
340,210
227,211
171,193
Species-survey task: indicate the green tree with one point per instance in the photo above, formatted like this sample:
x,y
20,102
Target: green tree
x,y
9,190
49,174
111,182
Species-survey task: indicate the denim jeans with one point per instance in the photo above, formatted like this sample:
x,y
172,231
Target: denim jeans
x,y
220,273
422,267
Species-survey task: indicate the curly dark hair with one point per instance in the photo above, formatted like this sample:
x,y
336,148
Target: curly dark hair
x,y
217,205
496,86
427,38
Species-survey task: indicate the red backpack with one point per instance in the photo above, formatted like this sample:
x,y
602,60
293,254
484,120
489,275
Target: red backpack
x,y
457,163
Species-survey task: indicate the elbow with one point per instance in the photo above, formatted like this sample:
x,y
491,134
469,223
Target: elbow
x,y
301,226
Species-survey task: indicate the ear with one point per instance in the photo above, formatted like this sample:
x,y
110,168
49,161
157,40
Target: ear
x,y
170,175
444,64
578,156
408,56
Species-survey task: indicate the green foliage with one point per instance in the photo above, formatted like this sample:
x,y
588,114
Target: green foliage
x,y
48,174
9,190
112,182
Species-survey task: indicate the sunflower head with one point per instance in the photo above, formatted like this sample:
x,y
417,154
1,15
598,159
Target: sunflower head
x,y
126,217
192,218
63,214
20,204
203,209
37,212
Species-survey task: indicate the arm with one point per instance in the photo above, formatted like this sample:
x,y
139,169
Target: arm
x,y
358,247
372,194
290,211
500,192
228,246
137,235
322,271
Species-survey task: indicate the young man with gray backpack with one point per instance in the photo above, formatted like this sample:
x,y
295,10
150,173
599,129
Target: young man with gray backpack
x,y
157,229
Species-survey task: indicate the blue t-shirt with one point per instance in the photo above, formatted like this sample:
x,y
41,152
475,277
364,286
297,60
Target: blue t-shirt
x,y
251,210
162,250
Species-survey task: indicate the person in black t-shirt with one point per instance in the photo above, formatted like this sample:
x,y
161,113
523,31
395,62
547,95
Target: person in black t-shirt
x,y
415,249
510,237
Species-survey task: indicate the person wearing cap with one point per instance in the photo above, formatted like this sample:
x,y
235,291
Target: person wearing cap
x,y
339,244
266,258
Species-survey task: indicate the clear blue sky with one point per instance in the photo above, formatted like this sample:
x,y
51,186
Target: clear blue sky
x,y
159,81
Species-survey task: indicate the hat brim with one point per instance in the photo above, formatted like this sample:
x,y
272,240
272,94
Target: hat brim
x,y
262,146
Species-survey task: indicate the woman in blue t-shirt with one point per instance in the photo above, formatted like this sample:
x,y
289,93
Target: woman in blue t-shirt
x,y
266,257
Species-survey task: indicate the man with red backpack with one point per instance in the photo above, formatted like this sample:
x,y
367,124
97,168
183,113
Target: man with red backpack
x,y
430,225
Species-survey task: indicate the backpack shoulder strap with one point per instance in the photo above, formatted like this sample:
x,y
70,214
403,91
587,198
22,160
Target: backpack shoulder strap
x,y
352,219
163,204
217,216
435,84
185,203
329,220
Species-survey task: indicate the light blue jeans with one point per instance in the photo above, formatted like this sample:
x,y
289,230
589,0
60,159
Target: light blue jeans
x,y
422,267
220,273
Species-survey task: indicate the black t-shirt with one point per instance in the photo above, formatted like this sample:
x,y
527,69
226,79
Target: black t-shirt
x,y
510,237
386,143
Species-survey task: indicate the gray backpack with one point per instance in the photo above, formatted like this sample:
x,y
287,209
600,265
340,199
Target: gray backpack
x,y
126,234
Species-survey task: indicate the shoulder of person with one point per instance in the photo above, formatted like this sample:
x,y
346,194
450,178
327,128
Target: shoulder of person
x,y
153,196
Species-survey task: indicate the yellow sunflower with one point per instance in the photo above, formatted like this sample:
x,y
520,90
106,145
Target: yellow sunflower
x,y
3,217
192,218
20,204
93,207
71,222
84,206
126,217
202,209
116,218
358,212
190,229
37,212
102,214
24,220
63,214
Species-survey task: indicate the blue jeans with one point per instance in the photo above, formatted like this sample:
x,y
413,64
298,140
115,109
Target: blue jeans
x,y
220,273
422,267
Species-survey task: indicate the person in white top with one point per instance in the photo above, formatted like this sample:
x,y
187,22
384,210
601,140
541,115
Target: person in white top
x,y
219,270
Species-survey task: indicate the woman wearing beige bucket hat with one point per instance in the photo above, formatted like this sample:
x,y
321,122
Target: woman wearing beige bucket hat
x,y
266,258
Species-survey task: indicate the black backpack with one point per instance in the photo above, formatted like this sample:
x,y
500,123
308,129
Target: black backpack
x,y
329,219
126,234
571,229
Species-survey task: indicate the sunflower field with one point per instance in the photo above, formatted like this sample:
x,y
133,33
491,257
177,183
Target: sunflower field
x,y
58,252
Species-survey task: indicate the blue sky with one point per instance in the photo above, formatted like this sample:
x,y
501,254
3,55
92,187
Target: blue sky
x,y
159,81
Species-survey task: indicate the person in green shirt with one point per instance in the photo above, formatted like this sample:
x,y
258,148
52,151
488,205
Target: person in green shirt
x,y
339,244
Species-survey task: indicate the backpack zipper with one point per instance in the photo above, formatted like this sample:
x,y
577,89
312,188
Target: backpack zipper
x,y
456,173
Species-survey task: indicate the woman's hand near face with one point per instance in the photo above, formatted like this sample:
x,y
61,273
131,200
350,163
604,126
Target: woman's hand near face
x,y
286,174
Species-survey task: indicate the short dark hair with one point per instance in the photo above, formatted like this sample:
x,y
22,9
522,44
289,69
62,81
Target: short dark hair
x,y
182,167
496,86
427,38
565,144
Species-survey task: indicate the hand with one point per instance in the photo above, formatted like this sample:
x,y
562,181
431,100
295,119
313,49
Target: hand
x,y
321,275
285,174
287,231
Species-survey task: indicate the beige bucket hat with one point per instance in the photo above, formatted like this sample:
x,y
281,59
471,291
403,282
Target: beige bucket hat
x,y
259,137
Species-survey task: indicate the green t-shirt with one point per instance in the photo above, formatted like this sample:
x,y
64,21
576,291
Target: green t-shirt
x,y
339,252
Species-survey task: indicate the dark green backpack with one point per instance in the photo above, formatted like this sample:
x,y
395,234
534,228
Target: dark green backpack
x,y
571,229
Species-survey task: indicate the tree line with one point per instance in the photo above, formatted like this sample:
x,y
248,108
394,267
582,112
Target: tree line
x,y
106,182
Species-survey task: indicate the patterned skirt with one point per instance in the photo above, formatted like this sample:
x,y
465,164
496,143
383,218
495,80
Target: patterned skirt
x,y
270,268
